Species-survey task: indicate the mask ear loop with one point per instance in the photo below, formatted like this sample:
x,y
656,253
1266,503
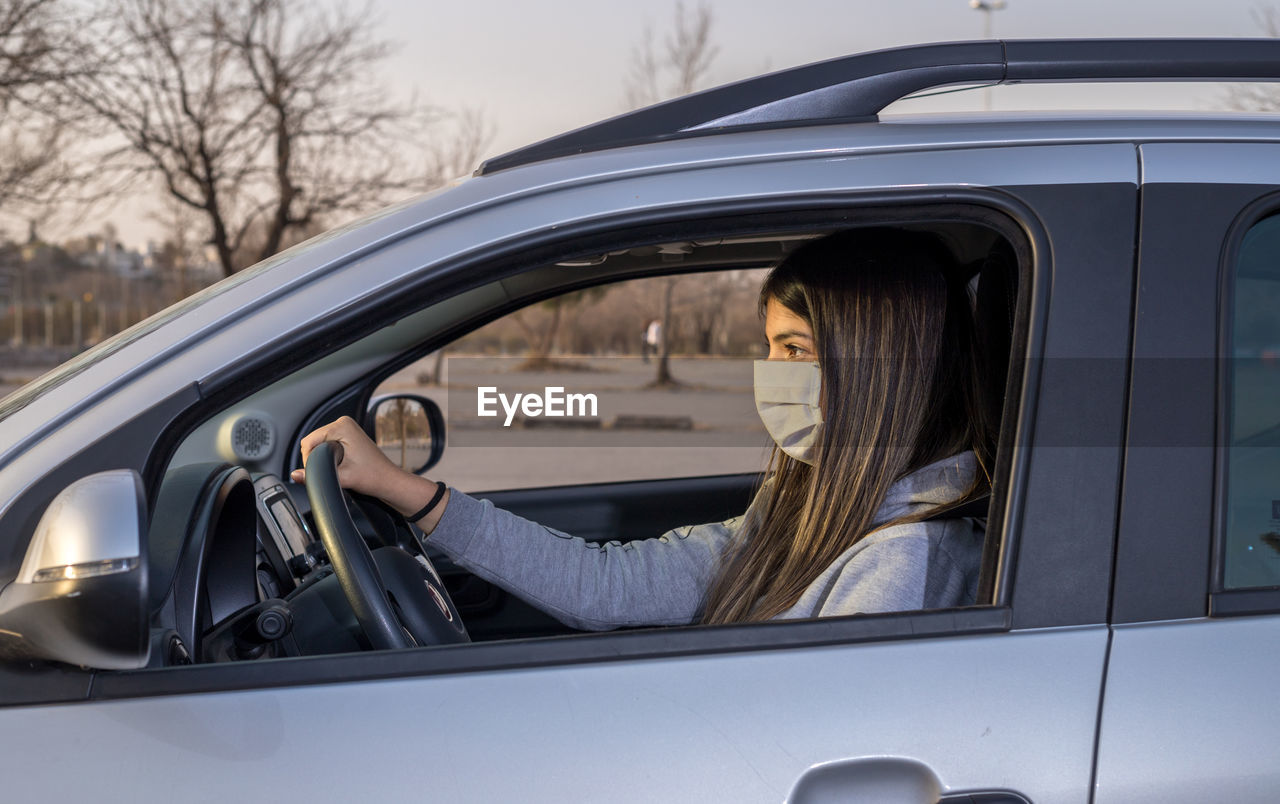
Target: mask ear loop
x,y
822,392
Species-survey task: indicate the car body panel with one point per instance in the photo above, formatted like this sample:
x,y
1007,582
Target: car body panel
x,y
1069,434
1188,712
1009,711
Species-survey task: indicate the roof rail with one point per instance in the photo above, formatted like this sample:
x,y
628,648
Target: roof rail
x,y
855,88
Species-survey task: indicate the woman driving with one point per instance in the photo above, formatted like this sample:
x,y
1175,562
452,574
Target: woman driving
x,y
869,392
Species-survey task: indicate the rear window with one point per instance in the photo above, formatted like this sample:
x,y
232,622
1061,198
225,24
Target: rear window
x,y
1252,542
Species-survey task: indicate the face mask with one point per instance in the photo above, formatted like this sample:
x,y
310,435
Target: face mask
x,y
787,394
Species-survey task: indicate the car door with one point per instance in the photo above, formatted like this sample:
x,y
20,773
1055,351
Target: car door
x,y
1189,712
1000,699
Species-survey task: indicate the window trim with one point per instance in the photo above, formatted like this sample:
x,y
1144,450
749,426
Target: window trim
x,y
538,652
1005,214
1184,235
1224,602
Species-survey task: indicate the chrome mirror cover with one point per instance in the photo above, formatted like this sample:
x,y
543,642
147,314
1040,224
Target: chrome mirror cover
x,y
81,594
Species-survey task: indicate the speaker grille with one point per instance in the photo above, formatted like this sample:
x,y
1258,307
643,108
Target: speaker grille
x,y
252,438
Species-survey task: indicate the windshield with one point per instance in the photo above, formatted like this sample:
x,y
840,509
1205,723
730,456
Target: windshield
x,y
37,388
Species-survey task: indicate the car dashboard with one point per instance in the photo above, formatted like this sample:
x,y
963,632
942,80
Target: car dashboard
x,y
237,573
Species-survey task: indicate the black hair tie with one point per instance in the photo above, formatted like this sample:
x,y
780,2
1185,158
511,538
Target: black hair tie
x,y
435,500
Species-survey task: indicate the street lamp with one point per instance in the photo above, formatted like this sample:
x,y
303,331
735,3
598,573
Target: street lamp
x,y
987,7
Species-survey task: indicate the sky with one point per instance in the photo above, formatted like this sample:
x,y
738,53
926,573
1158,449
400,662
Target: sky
x,y
537,69
541,68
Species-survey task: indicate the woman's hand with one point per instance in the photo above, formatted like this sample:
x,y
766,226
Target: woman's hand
x,y
365,469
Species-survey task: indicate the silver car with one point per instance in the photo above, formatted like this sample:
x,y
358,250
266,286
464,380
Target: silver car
x,y
178,621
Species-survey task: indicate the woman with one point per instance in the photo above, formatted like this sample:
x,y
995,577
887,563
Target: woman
x,y
870,394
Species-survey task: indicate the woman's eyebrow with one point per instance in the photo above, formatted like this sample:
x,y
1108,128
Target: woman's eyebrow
x,y
791,333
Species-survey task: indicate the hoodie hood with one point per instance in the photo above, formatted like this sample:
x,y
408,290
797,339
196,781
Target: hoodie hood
x,y
936,484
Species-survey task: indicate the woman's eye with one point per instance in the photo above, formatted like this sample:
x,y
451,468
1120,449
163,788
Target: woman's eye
x,y
795,351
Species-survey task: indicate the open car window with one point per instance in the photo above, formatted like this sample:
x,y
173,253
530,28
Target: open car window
x,y
653,454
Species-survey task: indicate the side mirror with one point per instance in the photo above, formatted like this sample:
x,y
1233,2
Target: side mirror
x,y
81,594
409,429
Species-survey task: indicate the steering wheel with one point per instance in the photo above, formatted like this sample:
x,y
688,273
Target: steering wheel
x,y
398,600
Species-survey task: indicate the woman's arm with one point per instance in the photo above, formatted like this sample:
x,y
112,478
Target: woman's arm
x,y
659,581
593,586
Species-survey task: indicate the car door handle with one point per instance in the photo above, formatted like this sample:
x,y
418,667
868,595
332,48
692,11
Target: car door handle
x,y
885,780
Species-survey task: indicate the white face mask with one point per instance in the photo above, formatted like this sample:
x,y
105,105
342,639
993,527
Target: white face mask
x,y
787,395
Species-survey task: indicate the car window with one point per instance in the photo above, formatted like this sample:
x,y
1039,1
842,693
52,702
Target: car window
x,y
584,324
641,379
1252,543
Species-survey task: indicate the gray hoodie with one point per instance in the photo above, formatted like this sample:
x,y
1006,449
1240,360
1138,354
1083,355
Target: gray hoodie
x,y
664,580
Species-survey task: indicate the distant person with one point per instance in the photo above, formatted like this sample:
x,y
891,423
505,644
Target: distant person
x,y
866,391
652,339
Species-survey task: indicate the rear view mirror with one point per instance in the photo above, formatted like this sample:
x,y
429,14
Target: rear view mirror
x,y
81,594
409,429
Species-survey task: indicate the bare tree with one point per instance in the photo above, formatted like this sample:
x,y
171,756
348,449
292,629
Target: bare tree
x,y
687,56
182,227
664,378
689,49
397,423
1258,97
708,312
455,154
31,166
400,415
542,336
643,73
263,115
33,135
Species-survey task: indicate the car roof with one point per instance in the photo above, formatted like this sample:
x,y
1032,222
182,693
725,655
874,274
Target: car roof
x,y
888,134
857,88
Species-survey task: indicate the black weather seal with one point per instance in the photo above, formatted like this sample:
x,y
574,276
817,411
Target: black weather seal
x,y
522,654
856,88
1244,602
1222,600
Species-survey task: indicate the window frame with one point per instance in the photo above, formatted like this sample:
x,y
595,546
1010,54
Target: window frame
x,y
1242,601
1169,525
1018,224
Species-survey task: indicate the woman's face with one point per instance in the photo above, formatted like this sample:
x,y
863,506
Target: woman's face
x,y
789,335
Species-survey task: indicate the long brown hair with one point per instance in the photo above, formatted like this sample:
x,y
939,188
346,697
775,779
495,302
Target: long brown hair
x,y
894,333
